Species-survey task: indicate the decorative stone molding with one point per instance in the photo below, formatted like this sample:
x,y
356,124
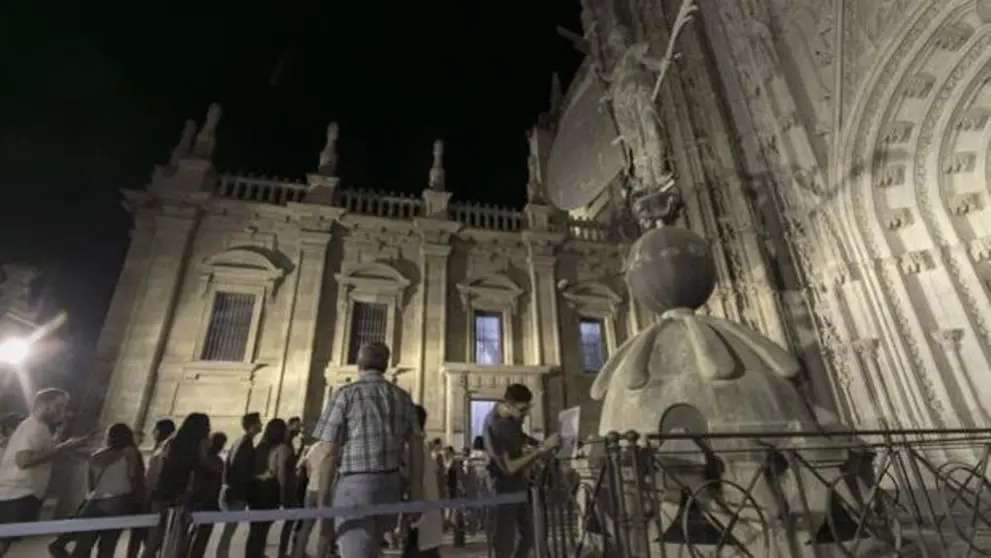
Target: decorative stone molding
x,y
963,204
242,371
980,249
973,120
898,132
490,292
378,281
919,86
948,339
246,265
960,162
592,298
865,348
898,218
913,263
890,175
952,36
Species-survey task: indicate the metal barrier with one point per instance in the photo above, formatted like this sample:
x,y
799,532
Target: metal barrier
x,y
789,494
177,522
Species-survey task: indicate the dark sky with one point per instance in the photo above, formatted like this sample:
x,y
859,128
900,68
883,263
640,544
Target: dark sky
x,y
92,94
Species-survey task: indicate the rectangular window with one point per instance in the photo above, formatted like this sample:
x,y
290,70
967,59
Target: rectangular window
x,y
369,321
229,328
592,345
488,338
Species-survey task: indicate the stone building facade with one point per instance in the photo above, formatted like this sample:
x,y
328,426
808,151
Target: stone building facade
x,y
837,155
242,293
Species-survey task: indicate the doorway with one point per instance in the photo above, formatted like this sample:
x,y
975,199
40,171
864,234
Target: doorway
x,y
478,410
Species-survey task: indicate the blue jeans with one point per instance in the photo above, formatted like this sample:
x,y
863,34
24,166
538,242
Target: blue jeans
x,y
105,541
361,537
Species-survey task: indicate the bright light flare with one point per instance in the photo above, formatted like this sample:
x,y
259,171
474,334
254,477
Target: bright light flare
x,y
14,351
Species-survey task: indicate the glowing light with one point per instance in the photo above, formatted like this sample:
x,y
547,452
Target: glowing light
x,y
14,351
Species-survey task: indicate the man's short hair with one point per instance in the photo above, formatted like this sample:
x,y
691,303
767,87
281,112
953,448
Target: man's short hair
x,y
250,419
50,395
518,393
294,419
421,415
373,356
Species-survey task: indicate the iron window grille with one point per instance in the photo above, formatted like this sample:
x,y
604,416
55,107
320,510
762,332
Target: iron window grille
x,y
229,327
369,321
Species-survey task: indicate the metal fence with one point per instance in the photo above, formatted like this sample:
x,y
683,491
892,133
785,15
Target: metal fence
x,y
789,494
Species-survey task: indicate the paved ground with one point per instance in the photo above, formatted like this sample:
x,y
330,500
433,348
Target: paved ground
x,y
36,547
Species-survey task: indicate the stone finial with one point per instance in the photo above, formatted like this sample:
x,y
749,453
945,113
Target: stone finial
x,y
437,168
206,140
185,145
534,183
328,157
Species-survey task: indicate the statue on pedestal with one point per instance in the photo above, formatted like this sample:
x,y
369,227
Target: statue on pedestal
x,y
436,181
206,140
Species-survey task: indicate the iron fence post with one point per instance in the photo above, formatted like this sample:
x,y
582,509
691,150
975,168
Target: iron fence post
x,y
536,502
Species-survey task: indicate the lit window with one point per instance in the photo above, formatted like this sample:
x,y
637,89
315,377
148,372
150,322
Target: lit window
x,y
229,327
488,338
592,346
368,325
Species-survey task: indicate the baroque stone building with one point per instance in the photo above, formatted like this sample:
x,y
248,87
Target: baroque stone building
x,y
836,153
242,293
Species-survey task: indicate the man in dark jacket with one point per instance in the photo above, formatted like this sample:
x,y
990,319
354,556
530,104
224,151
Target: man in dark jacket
x,y
238,475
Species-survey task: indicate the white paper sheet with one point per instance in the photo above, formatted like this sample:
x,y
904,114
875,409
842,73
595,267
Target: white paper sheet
x,y
568,424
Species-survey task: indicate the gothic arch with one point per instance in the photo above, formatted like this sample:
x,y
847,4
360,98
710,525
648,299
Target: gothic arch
x,y
911,158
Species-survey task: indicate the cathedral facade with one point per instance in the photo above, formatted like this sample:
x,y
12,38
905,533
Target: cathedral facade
x,y
836,155
242,293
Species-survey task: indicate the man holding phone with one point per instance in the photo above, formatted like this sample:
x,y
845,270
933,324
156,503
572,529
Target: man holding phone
x,y
26,468
510,453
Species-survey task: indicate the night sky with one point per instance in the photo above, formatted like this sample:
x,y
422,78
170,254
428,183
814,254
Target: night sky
x,y
92,94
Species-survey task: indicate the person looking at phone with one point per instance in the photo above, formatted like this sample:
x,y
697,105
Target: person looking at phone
x,y
510,453
26,468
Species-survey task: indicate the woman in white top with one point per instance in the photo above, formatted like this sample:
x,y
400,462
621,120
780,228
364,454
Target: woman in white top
x,y
427,532
116,479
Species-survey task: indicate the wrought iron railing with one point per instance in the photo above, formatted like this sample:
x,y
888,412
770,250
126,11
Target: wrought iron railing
x,y
789,494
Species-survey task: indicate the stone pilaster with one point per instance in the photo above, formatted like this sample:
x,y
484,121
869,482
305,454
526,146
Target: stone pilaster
x,y
949,342
297,362
435,237
132,381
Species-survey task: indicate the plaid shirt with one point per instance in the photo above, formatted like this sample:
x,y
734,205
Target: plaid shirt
x,y
372,420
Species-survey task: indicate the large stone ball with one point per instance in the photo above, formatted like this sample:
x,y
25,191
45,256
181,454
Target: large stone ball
x,y
670,267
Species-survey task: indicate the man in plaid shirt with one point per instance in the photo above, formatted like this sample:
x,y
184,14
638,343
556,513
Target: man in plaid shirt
x,y
371,430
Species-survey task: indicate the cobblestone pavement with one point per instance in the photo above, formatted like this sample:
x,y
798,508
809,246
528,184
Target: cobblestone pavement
x,y
37,547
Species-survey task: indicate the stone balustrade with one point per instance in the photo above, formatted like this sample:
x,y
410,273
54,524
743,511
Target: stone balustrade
x,y
379,204
282,191
489,217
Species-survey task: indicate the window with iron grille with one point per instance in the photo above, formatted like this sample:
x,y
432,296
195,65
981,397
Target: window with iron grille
x,y
592,346
488,337
369,321
229,328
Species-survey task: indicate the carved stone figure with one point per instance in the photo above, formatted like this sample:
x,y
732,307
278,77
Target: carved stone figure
x,y
206,140
328,157
534,183
437,168
631,95
185,145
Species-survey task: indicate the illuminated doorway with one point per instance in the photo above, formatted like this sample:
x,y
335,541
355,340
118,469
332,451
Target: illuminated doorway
x,y
478,410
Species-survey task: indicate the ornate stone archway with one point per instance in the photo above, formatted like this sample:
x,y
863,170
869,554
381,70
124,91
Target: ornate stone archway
x,y
915,159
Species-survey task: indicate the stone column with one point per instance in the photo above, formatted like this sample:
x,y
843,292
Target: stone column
x,y
133,379
544,295
877,389
949,341
297,361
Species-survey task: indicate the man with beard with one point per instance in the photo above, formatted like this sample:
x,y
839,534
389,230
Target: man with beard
x,y
26,468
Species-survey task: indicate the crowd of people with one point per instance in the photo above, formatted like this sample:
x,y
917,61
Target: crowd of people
x,y
368,449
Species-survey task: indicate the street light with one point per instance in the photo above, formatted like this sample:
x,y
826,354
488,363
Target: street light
x,y
14,351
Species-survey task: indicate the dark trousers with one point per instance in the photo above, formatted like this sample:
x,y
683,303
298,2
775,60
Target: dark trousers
x,y
200,537
105,541
412,547
254,547
510,525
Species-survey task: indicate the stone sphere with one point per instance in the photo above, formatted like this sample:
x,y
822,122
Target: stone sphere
x,y
670,267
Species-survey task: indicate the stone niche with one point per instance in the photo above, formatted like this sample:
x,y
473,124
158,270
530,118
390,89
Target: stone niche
x,y
466,382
